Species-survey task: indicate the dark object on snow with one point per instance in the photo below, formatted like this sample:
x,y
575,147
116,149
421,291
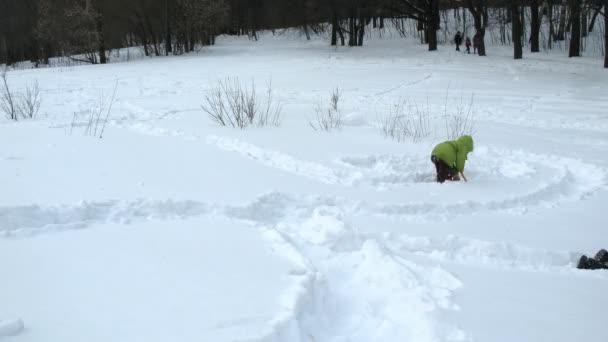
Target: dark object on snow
x,y
602,256
444,172
598,263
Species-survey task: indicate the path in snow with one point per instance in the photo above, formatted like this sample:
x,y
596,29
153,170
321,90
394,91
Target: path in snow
x,y
356,284
347,271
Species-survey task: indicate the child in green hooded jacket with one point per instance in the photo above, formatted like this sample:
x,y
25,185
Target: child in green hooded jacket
x,y
449,158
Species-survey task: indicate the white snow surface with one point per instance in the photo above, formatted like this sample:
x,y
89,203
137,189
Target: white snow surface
x,y
172,228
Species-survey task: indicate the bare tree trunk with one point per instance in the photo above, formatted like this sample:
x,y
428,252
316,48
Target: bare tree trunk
x,y
480,17
3,51
551,28
584,23
561,28
306,31
575,36
432,16
464,20
522,20
100,37
516,30
341,34
168,46
334,31
605,33
593,18
534,26
502,20
352,38
361,30
193,41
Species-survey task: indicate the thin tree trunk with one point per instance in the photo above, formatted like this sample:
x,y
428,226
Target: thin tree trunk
x,y
306,31
464,20
334,28
605,33
361,29
352,38
431,24
584,24
534,26
144,35
503,24
516,30
522,20
101,38
551,28
575,36
168,46
341,34
479,12
561,28
593,18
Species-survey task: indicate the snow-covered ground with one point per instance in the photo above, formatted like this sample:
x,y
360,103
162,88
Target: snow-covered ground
x,y
172,228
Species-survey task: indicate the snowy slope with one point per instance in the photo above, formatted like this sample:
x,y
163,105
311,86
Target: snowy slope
x,y
172,228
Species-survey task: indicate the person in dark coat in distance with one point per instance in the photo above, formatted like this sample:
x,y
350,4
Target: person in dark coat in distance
x,y
458,40
476,42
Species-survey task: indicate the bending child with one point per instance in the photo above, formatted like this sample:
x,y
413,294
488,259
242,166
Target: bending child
x,y
449,158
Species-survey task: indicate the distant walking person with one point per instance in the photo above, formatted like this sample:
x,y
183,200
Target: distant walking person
x,y
476,42
467,44
458,40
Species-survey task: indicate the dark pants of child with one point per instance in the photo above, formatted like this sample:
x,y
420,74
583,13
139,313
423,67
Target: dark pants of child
x,y
444,171
457,47
600,261
469,50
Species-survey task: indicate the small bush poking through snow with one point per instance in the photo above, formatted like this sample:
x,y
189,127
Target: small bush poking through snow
x,y
459,118
97,117
7,98
30,101
15,105
230,103
330,117
406,121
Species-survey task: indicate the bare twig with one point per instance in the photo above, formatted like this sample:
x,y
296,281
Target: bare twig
x,y
105,121
330,117
30,101
73,123
7,98
406,121
230,103
459,119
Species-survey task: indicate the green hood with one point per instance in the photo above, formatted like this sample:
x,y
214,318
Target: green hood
x,y
465,142
454,153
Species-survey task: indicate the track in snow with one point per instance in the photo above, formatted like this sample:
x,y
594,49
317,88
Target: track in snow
x,y
343,295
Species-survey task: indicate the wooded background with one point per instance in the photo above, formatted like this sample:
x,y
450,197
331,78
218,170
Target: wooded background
x,y
86,30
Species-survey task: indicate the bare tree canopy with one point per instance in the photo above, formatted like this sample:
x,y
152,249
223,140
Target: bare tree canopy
x,y
86,30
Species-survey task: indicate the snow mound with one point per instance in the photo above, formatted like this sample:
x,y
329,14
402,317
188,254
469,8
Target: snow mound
x,y
11,327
